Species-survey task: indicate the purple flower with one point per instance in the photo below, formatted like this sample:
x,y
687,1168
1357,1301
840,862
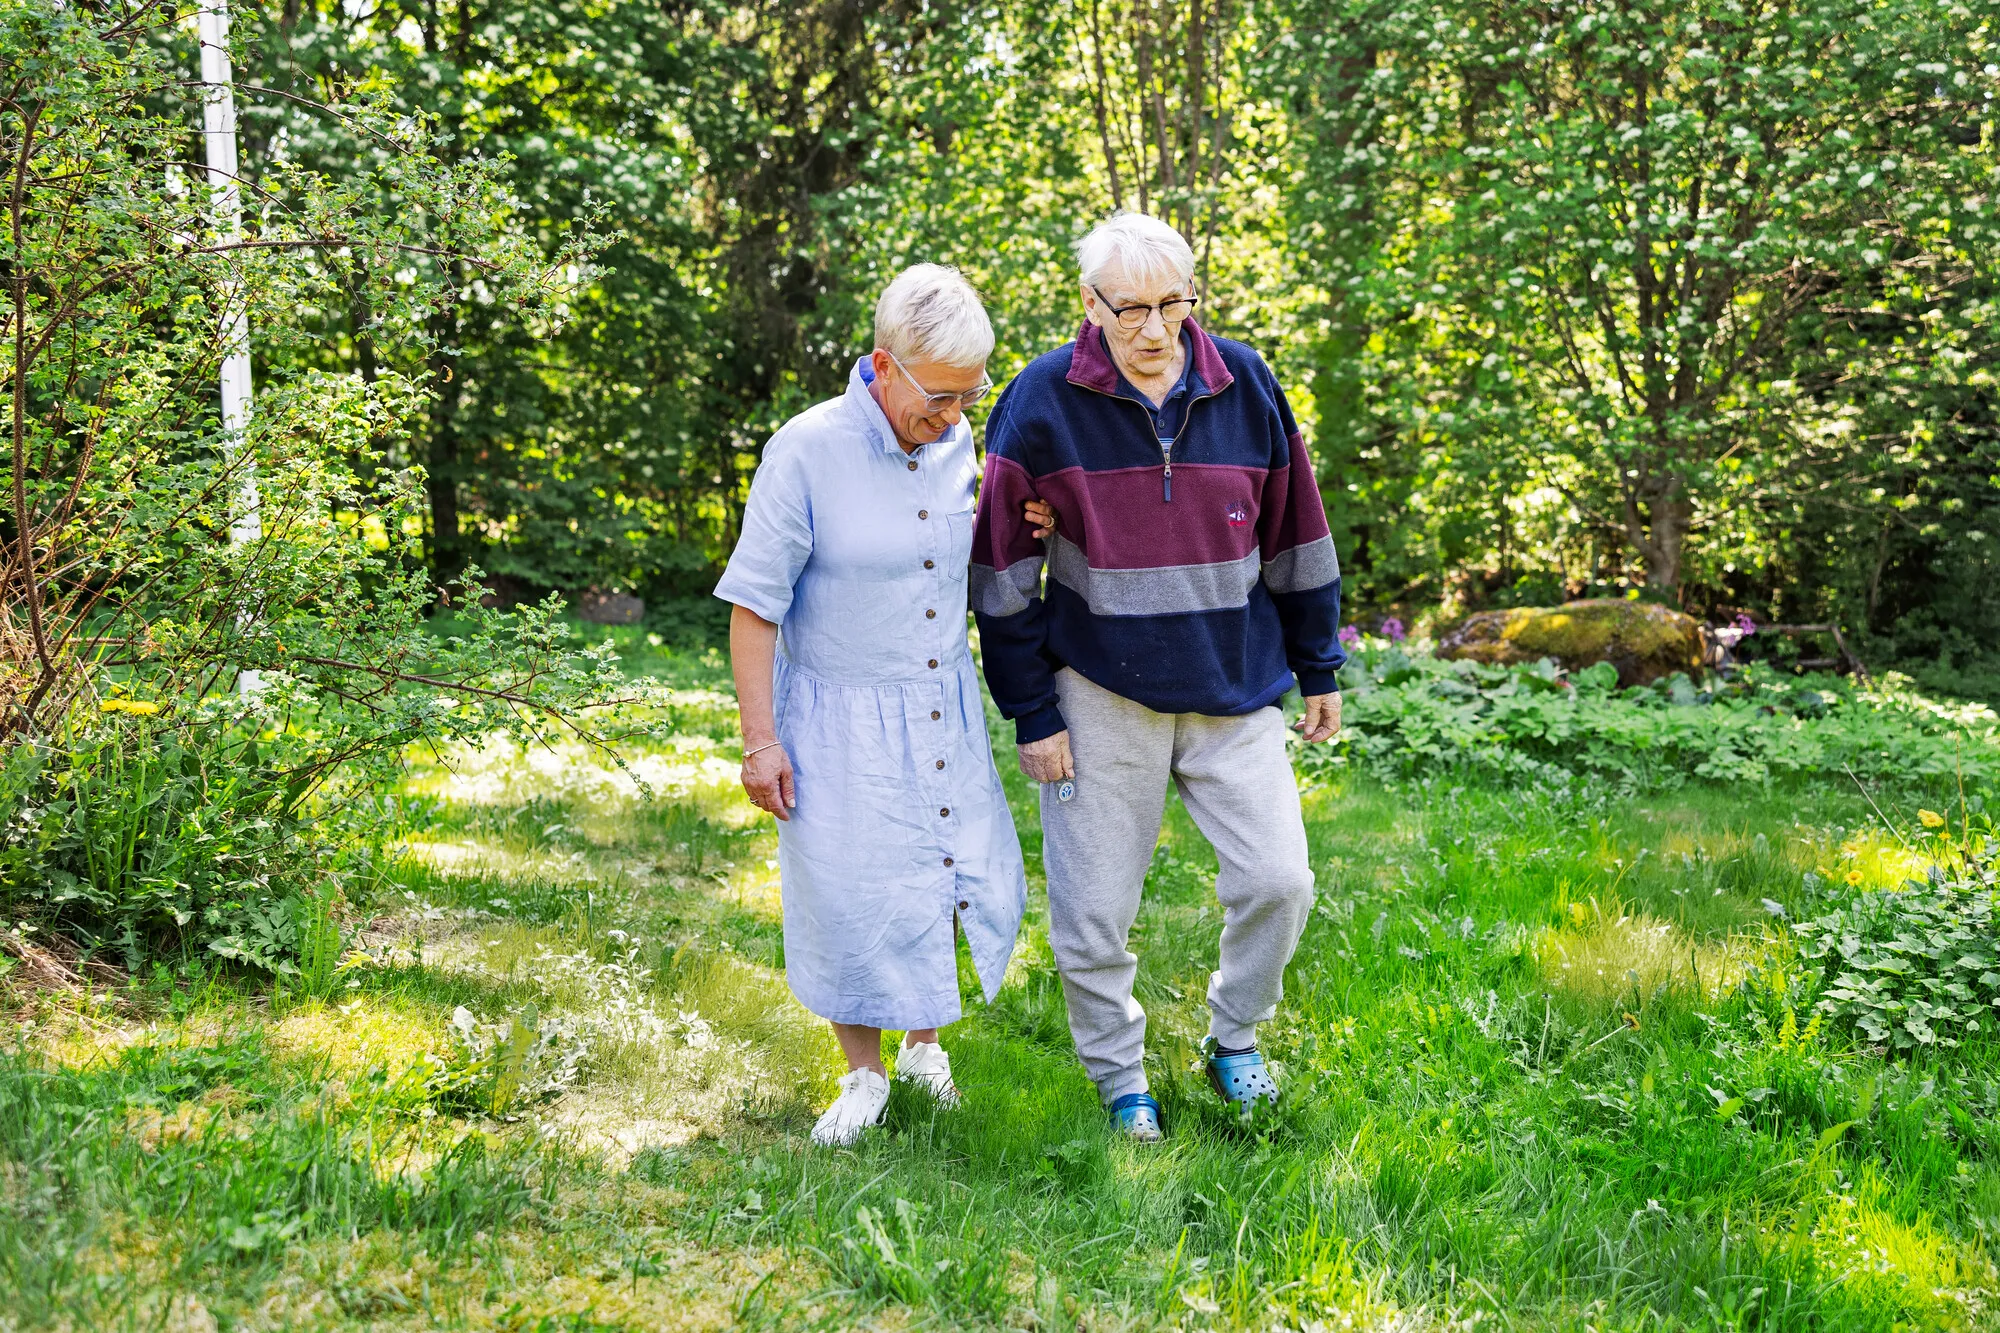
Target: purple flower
x,y
1349,635
1393,628
1746,624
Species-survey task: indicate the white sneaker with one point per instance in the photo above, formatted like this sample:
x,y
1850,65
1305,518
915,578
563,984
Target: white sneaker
x,y
926,1065
863,1094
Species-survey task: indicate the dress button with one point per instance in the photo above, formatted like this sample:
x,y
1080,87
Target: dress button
x,y
935,715
963,905
930,564
934,664
940,763
944,813
923,513
930,615
947,860
913,465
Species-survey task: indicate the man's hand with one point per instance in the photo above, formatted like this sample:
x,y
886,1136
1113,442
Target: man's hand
x,y
767,777
1043,515
1322,719
1048,760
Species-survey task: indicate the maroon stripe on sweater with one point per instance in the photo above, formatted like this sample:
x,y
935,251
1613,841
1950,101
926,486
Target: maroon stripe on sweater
x,y
1120,521
1291,514
1000,537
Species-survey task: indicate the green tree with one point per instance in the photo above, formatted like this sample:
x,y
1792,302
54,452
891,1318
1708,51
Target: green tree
x,y
1613,252
139,787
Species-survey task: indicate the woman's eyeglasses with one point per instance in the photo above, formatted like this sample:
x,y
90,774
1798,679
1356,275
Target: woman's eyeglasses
x,y
938,402
1135,316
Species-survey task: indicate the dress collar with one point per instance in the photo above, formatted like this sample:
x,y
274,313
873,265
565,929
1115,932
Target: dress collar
x,y
870,412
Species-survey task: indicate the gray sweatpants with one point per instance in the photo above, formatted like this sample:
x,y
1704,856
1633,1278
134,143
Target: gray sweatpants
x,y
1236,780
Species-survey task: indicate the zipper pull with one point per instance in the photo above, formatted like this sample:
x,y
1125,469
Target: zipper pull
x,y
1167,484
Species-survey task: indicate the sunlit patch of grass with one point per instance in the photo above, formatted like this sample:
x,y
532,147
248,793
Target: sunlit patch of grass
x,y
364,1036
495,859
496,770
1606,954
1872,859
1889,1265
798,1057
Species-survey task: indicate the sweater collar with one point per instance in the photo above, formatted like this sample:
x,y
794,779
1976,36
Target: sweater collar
x,y
1091,366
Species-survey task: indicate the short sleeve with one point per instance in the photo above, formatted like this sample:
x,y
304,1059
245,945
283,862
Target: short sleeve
x,y
777,535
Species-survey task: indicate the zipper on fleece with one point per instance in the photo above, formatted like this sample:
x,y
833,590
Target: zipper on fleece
x,y
1166,446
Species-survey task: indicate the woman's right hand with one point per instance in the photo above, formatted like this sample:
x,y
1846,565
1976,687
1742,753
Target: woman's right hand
x,y
767,777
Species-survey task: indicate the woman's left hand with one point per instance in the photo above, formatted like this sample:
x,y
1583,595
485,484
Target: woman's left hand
x,y
767,777
1043,515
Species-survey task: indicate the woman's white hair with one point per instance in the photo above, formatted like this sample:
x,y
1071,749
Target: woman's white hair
x,y
1144,249
931,313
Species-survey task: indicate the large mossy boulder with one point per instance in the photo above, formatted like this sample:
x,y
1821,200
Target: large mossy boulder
x,y
1644,641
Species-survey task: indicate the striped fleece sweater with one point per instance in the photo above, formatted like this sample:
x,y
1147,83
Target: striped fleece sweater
x,y
1200,583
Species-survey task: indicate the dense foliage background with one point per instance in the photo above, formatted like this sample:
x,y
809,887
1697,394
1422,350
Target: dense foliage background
x,y
1695,304
1690,299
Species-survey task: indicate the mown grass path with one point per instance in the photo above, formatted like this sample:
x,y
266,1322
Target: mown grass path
x,y
1527,1086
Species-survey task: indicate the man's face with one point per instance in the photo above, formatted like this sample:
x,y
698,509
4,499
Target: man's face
x,y
903,401
1147,351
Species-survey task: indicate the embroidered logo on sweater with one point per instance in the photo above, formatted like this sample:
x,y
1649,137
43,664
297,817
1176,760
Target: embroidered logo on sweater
x,y
1238,514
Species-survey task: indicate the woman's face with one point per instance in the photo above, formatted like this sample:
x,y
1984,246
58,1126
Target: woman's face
x,y
901,391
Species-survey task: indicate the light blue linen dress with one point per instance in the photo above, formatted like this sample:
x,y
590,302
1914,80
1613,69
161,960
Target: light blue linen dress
x,y
859,553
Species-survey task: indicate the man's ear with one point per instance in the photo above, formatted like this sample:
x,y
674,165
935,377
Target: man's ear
x,y
1089,301
878,360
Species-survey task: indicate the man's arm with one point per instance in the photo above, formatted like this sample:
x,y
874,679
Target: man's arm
x,y
1007,601
1302,574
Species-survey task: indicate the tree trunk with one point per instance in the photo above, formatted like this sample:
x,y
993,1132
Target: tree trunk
x,y
442,474
1657,514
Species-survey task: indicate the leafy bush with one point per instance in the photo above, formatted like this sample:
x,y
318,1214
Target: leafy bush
x,y
153,559
141,831
1409,713
1920,965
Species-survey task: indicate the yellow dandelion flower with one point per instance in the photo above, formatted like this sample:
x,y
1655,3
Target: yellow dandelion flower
x,y
135,706
1854,877
1930,819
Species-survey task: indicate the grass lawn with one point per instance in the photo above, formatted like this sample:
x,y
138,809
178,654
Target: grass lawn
x,y
1544,1064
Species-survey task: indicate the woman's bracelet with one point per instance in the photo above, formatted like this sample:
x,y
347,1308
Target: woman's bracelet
x,y
749,754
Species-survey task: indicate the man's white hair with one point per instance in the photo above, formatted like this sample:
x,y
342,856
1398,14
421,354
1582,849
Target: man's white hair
x,y
1144,249
931,313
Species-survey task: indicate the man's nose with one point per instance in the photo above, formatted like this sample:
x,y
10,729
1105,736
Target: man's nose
x,y
951,414
1155,325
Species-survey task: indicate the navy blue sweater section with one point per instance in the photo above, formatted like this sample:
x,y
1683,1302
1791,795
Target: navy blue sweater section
x,y
1061,431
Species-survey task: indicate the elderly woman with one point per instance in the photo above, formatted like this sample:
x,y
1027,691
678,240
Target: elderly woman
x,y
863,729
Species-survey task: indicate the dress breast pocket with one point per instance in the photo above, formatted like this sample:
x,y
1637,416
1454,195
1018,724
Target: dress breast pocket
x,y
958,554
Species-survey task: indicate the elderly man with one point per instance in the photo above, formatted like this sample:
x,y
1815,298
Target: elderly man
x,y
1191,580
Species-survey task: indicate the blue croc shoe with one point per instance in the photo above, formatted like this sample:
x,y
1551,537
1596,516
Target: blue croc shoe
x,y
1137,1116
1241,1079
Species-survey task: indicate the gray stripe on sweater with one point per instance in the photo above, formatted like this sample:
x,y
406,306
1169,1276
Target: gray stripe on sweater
x,y
1171,590
1303,568
1006,592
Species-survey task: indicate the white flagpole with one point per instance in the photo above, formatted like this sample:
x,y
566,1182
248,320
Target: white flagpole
x,y
218,118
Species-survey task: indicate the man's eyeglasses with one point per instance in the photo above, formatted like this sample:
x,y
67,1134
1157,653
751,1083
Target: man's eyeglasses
x,y
938,402
1135,316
